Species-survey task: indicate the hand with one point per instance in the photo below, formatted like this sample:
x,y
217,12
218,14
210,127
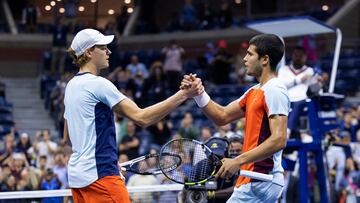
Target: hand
x,y
228,169
187,81
305,77
193,89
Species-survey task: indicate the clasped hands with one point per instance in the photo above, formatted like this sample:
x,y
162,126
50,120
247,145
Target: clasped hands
x,y
192,84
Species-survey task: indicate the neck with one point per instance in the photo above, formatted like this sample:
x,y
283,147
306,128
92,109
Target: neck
x,y
89,67
297,66
266,76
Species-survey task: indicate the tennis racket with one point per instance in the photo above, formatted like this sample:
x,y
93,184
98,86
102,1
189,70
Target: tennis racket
x,y
198,163
149,164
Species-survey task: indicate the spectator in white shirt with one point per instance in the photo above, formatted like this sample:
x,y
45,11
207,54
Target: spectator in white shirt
x,y
296,77
135,67
46,147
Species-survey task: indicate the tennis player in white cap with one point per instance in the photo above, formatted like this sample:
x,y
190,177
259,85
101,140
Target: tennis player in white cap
x,y
89,104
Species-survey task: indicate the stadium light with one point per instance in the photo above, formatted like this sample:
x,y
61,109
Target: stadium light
x,y
130,10
52,3
325,7
47,7
81,8
111,12
61,10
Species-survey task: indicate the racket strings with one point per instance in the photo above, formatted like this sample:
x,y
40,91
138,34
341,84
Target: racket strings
x,y
195,165
148,165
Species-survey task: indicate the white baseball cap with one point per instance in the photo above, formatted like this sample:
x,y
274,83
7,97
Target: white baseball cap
x,y
88,38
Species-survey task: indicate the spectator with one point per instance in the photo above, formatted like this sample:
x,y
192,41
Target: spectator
x,y
188,17
160,132
296,77
187,128
41,169
135,67
9,184
205,134
221,65
350,184
226,186
20,170
136,89
155,85
121,77
224,131
120,127
30,15
127,174
355,148
60,169
51,182
5,172
349,124
141,180
59,43
9,148
23,145
130,143
46,147
173,64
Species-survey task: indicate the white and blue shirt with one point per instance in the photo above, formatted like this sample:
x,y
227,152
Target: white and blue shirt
x,y
88,111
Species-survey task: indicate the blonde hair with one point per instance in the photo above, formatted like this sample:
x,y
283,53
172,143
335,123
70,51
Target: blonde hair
x,y
81,60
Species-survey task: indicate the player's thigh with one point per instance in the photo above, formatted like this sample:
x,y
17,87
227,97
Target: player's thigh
x,y
266,191
109,189
115,187
243,194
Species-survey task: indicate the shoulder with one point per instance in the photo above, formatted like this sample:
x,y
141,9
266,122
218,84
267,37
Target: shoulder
x,y
274,84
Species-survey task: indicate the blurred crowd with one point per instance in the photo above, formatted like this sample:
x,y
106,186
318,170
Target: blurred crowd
x,y
33,162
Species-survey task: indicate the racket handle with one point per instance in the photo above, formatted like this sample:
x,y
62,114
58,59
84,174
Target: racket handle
x,y
256,175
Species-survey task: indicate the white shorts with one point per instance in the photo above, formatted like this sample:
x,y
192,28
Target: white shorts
x,y
256,192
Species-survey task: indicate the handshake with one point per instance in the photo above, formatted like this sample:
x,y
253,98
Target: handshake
x,y
194,88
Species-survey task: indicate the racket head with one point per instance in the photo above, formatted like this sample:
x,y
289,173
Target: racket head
x,y
198,163
149,165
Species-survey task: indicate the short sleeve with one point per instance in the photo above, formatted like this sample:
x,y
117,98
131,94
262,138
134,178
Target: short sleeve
x,y
107,93
277,101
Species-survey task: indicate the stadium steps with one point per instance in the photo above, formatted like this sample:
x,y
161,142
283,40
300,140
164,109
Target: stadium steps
x,y
28,109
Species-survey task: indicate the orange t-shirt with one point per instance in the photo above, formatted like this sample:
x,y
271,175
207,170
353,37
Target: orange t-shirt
x,y
258,103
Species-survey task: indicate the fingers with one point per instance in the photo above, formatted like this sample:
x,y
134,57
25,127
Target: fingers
x,y
187,81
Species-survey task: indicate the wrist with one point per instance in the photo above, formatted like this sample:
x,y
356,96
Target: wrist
x,y
202,100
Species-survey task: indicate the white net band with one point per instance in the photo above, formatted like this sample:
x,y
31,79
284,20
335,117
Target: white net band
x,y
67,192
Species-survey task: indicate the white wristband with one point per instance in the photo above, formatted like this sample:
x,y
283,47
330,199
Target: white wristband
x,y
202,100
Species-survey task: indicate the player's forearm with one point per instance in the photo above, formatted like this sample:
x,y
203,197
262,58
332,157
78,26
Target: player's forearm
x,y
156,112
263,151
216,113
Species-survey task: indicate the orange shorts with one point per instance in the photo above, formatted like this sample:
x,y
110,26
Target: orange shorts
x,y
107,189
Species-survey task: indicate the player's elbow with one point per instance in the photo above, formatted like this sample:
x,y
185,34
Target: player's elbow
x,y
142,123
280,142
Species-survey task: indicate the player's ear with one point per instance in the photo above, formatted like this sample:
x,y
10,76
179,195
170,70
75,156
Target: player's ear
x,y
265,60
88,53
